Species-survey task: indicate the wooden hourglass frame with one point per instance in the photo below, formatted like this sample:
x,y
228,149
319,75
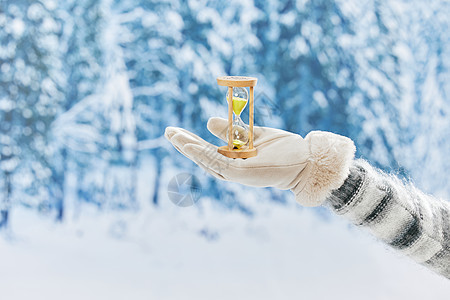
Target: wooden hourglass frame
x,y
243,82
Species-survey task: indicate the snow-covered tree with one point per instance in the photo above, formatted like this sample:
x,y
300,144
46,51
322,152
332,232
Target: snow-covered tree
x,y
32,93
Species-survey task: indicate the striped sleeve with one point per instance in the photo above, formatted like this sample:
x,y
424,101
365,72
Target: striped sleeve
x,y
398,214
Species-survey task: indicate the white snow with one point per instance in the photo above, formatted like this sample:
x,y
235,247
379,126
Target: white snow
x,y
18,27
205,252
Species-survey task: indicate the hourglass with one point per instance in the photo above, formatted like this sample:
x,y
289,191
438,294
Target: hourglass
x,y
239,135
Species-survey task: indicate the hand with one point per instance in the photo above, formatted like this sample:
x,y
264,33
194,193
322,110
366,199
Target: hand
x,y
311,168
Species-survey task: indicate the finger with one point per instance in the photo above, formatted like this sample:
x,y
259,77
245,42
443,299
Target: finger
x,y
208,158
210,171
218,127
229,169
182,138
177,145
172,131
179,137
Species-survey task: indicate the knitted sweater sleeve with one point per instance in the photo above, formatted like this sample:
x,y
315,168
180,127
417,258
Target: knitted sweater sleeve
x,y
398,214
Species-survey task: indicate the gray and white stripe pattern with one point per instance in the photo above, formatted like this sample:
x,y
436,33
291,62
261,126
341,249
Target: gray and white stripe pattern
x,y
403,217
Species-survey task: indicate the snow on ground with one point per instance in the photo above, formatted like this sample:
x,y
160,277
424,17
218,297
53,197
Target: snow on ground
x,y
204,252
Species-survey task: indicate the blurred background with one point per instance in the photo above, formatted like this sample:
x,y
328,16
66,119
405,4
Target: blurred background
x,y
87,88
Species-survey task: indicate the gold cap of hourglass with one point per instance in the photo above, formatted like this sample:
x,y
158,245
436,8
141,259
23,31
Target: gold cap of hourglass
x,y
237,81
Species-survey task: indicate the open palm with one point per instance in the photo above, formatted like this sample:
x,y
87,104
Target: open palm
x,y
310,167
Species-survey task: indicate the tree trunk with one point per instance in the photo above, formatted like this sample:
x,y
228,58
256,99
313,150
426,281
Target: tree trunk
x,y
157,177
4,212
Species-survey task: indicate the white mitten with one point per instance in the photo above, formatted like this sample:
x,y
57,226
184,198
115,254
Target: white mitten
x,y
311,168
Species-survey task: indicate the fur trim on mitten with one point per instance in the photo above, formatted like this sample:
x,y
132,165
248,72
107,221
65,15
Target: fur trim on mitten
x,y
328,167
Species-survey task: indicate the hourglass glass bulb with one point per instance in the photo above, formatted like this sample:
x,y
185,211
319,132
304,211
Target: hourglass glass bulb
x,y
239,132
239,129
240,99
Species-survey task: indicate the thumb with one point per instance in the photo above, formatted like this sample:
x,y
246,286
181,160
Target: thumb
x,y
218,127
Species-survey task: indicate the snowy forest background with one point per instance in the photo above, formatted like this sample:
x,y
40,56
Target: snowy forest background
x,y
87,88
